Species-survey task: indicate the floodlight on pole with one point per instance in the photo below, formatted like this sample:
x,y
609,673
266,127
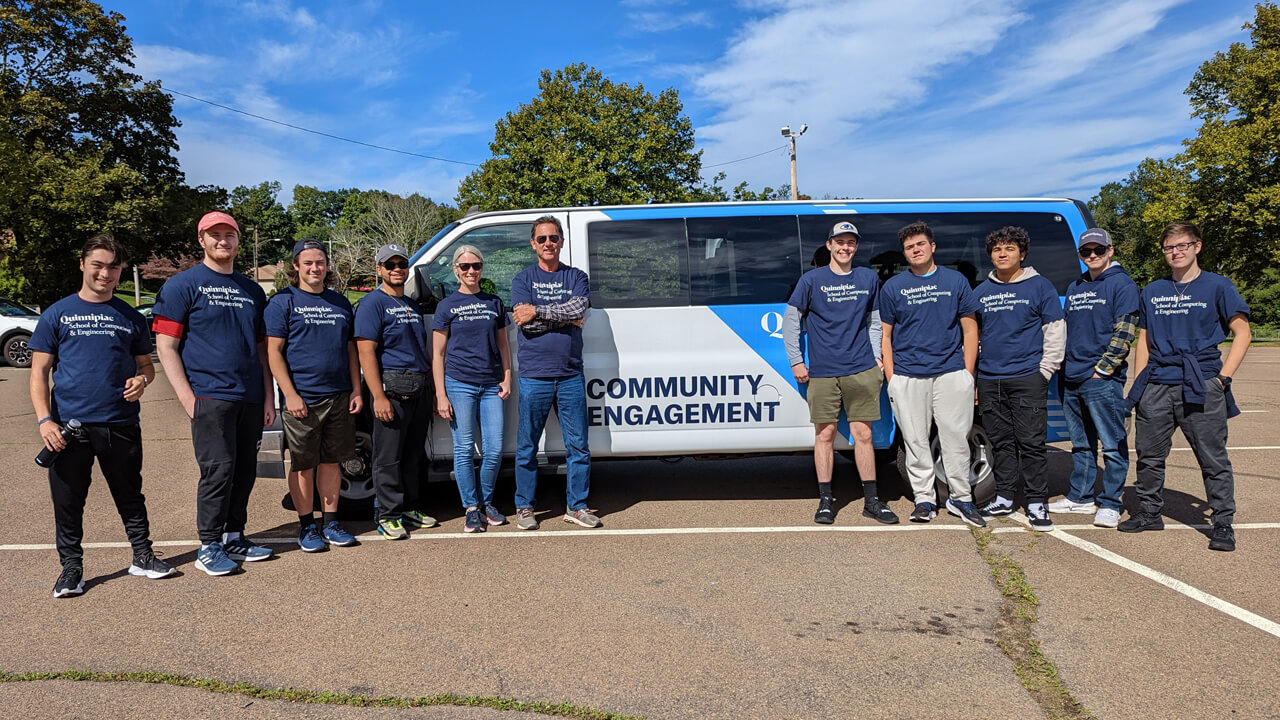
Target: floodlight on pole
x,y
791,135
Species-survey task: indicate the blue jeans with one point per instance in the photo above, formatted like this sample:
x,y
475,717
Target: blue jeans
x,y
472,403
569,397
1095,412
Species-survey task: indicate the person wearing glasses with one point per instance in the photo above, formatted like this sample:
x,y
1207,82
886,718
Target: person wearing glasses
x,y
549,304
472,367
1101,309
392,343
1183,382
838,303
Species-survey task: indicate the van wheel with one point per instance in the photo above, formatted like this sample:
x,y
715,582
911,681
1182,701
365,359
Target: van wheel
x,y
982,477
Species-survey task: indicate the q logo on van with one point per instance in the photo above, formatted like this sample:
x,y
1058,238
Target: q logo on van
x,y
771,322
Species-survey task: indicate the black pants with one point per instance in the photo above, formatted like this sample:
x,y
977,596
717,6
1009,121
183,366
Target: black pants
x,y
1160,410
225,435
1013,414
119,453
398,450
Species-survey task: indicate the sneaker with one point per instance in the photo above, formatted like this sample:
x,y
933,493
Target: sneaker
x,y
966,511
475,521
997,508
213,560
417,519
583,517
1142,522
1107,518
525,519
1064,505
875,509
392,529
334,534
923,513
493,517
1223,538
1038,516
70,582
309,539
826,514
245,550
149,566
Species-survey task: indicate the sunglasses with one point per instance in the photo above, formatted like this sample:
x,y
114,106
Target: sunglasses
x,y
541,239
396,264
469,266
1093,252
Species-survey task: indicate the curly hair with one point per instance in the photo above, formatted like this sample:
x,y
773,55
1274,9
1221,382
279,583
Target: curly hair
x,y
1009,234
918,227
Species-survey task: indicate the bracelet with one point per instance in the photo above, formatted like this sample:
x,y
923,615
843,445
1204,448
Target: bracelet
x,y
43,420
145,381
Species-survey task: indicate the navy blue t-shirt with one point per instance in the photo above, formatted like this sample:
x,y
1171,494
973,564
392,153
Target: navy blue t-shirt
x,y
396,324
1011,320
557,352
1188,317
837,309
220,319
316,330
1092,308
95,348
925,313
473,322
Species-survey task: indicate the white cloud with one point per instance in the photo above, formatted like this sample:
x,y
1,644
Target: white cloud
x,y
655,21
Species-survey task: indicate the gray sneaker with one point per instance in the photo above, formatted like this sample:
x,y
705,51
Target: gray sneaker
x,y
1107,518
583,517
525,519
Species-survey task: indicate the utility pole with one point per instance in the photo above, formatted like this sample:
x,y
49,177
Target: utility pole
x,y
254,272
787,133
137,289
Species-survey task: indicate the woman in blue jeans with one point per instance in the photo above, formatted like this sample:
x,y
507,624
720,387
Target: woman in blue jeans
x,y
472,369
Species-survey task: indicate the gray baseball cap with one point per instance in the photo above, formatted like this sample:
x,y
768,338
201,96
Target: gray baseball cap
x,y
388,251
1094,235
844,228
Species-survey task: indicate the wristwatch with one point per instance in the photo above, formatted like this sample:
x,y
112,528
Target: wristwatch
x,y
1226,382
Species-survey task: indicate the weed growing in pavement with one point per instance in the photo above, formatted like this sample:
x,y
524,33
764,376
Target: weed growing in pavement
x,y
1013,631
249,690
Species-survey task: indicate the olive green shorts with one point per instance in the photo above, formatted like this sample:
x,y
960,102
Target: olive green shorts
x,y
858,393
326,435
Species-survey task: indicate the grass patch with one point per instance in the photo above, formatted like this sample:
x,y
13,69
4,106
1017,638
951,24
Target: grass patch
x,y
316,697
1014,631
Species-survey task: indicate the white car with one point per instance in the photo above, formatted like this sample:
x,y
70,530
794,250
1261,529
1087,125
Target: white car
x,y
17,322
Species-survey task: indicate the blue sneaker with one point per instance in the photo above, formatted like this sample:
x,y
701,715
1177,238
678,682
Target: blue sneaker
x,y
309,539
213,559
475,521
966,511
493,517
245,550
334,534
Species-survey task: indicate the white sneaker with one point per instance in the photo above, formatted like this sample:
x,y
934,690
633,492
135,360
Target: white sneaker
x,y
1107,518
1063,505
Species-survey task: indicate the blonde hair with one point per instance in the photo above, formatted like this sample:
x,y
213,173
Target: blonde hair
x,y
464,249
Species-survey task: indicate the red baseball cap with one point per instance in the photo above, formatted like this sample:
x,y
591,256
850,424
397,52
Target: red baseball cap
x,y
216,218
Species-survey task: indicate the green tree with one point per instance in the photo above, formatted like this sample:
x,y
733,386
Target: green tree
x,y
586,140
1120,207
257,208
315,212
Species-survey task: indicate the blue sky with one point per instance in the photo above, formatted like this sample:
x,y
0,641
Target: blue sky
x,y
909,98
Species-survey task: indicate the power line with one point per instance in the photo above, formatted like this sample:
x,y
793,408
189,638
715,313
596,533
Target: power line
x,y
317,132
766,152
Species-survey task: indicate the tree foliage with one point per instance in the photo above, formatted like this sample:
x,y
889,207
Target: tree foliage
x,y
256,208
586,140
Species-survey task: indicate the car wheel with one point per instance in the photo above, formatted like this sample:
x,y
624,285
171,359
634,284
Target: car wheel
x,y
16,351
357,473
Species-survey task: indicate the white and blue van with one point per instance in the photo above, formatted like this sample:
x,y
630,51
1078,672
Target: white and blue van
x,y
683,344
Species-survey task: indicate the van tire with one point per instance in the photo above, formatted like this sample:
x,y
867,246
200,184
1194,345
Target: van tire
x,y
981,471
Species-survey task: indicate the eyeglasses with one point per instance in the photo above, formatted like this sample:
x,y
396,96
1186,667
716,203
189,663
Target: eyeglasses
x,y
469,266
1180,247
1095,251
396,264
541,239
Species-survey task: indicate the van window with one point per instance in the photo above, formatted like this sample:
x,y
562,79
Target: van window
x,y
742,260
506,252
638,263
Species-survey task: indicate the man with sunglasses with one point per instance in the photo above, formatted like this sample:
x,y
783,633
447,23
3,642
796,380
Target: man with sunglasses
x,y
1184,382
1102,321
391,338
549,304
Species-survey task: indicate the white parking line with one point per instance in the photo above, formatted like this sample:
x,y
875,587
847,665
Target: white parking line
x,y
1242,447
1268,626
1178,526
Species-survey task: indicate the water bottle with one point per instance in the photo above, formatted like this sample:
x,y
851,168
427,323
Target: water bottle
x,y
70,433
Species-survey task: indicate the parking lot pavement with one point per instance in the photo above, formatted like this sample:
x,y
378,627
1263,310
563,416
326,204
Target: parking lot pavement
x,y
710,594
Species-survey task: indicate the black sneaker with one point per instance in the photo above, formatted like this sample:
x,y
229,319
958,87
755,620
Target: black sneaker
x,y
70,582
150,566
1223,538
875,509
1142,522
997,508
1038,516
966,511
923,513
826,514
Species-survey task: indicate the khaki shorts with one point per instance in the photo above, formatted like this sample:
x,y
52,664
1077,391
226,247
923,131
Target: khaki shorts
x,y
858,393
326,435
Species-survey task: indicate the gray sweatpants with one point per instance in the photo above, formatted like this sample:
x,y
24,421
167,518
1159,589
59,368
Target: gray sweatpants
x,y
1160,410
917,404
